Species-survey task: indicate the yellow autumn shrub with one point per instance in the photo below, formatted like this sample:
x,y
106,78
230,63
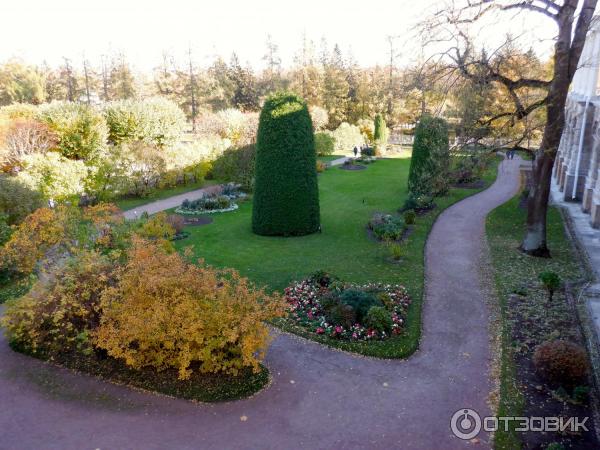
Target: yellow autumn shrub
x,y
62,308
157,228
39,231
165,312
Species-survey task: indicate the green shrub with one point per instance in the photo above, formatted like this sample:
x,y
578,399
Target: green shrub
x,y
410,217
551,282
236,165
347,137
386,227
286,194
53,175
156,121
324,144
340,314
396,250
80,130
380,134
555,446
360,301
581,394
418,202
430,158
322,278
367,151
17,200
379,319
5,229
470,168
561,362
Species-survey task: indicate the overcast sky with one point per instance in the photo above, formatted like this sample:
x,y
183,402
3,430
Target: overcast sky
x,y
38,30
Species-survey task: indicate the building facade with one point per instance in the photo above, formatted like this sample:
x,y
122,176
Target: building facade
x,y
577,166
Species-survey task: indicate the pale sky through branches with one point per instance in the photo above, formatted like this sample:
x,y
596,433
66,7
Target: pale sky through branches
x,y
47,30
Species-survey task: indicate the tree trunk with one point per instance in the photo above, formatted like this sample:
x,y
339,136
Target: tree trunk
x,y
534,242
567,52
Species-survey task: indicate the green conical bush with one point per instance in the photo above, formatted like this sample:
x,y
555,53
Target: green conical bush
x,y
286,193
380,134
430,160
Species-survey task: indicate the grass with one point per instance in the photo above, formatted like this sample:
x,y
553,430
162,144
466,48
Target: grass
x,y
515,272
131,202
348,200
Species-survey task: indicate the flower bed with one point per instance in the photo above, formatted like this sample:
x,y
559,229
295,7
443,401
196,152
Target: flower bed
x,y
348,311
190,211
386,227
216,203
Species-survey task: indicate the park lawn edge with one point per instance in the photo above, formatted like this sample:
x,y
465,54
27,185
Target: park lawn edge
x,y
511,401
404,345
204,388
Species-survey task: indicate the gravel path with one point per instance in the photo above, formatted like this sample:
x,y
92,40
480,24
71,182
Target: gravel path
x,y
319,399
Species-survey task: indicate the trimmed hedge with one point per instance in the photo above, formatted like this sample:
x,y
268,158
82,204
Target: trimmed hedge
x,y
286,194
430,160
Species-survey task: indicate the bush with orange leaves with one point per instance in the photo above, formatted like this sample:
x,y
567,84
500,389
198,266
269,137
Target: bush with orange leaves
x,y
61,231
165,312
39,231
61,310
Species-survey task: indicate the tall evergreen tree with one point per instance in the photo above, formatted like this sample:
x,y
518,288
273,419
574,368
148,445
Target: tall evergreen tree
x,y
336,88
245,95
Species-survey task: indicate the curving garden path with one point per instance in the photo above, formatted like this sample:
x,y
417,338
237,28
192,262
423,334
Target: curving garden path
x,y
319,399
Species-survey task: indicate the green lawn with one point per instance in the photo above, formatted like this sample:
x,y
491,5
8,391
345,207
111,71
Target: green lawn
x,y
126,203
516,272
348,199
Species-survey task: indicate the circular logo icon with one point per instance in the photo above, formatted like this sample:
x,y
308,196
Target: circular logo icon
x,y
465,424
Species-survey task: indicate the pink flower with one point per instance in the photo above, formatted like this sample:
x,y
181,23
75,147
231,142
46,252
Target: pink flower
x,y
320,330
338,329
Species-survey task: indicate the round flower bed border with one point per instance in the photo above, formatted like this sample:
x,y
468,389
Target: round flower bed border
x,y
195,212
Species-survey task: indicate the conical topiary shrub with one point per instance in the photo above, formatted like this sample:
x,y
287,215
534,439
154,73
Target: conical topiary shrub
x,y
286,194
430,160
380,135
